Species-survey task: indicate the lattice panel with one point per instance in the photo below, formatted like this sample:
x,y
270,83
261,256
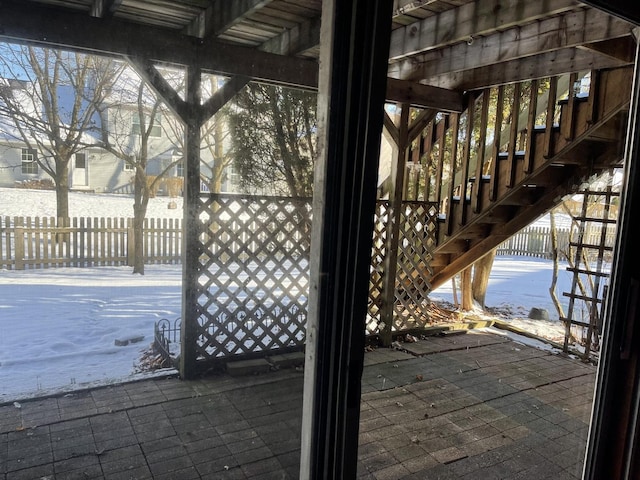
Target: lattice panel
x,y
253,279
378,254
417,241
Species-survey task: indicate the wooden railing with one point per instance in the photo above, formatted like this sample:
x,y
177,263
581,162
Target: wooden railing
x,y
478,155
27,243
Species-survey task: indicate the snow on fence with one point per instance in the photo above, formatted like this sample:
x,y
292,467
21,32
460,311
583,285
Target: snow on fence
x,y
29,243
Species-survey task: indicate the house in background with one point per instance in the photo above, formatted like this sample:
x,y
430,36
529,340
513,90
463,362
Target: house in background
x,y
113,136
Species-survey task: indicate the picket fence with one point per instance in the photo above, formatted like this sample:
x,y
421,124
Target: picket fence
x,y
46,242
536,242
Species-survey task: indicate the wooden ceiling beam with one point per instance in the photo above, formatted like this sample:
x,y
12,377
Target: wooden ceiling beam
x,y
104,8
481,17
222,15
536,66
298,39
44,26
623,49
566,30
424,96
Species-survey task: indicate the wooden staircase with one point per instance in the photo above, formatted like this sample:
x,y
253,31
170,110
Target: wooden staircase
x,y
520,149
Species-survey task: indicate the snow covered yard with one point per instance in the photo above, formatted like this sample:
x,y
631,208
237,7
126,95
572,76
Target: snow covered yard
x,y
58,326
516,285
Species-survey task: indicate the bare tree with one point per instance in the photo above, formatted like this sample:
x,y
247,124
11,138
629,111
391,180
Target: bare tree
x,y
137,127
52,98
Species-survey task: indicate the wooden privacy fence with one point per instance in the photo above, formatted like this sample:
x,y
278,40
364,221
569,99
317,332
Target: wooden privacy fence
x,y
28,243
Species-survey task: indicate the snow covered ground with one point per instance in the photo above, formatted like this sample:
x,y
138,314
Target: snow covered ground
x,y
58,326
516,285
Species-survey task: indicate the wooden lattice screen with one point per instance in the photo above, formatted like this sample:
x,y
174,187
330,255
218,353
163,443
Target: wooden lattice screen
x,y
253,276
417,240
253,280
378,255
418,230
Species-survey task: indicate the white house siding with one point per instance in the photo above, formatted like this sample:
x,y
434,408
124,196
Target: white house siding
x,y
11,166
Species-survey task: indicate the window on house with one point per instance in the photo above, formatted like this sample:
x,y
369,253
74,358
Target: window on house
x,y
156,129
29,161
234,178
180,169
81,160
128,167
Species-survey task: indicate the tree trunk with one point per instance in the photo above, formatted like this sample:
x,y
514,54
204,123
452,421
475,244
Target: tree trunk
x,y
218,158
62,188
481,273
465,287
140,202
554,256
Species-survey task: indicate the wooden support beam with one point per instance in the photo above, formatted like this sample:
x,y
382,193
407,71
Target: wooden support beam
x,y
424,96
46,26
391,129
191,245
474,18
499,233
567,30
104,8
223,95
393,225
221,15
298,39
622,49
418,125
536,66
148,71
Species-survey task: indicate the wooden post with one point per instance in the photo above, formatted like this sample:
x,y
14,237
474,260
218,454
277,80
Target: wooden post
x,y
191,233
394,215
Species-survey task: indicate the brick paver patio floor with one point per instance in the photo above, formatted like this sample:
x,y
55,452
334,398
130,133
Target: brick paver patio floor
x,y
476,406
